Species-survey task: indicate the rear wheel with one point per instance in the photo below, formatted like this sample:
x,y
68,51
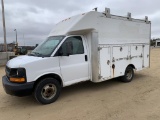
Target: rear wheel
x,y
47,91
129,74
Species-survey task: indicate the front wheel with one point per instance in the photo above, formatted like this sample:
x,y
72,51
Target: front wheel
x,y
129,74
47,91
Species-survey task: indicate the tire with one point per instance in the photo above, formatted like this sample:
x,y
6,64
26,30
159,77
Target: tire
x,y
47,91
129,74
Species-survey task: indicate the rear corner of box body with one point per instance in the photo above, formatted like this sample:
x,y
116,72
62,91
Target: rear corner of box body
x,y
94,56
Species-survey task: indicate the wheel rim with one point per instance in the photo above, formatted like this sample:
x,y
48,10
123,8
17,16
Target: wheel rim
x,y
129,74
48,91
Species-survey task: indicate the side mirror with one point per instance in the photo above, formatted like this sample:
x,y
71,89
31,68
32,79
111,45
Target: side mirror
x,y
66,49
60,53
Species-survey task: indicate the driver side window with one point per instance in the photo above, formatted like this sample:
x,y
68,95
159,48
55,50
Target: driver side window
x,y
74,45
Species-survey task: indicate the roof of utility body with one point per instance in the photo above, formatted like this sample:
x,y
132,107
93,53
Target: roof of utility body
x,y
70,24
115,27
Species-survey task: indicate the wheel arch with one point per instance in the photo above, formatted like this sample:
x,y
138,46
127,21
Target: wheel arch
x,y
49,75
130,65
124,78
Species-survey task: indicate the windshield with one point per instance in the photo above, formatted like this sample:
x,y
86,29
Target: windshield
x,y
47,47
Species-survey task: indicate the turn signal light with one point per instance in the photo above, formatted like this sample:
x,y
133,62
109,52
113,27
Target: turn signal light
x,y
18,80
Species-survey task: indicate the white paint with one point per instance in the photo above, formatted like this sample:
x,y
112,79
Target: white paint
x,y
36,66
114,30
105,62
74,68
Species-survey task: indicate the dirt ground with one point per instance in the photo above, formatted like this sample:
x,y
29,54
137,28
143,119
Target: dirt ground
x,y
110,100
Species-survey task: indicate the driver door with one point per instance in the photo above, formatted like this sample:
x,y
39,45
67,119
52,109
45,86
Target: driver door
x,y
74,60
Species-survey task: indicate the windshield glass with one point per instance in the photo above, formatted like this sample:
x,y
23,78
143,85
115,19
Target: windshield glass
x,y
47,47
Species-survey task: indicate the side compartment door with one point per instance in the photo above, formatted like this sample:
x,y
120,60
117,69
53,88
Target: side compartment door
x,y
136,56
119,60
74,66
146,55
105,63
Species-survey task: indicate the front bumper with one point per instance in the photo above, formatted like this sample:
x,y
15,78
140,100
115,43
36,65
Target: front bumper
x,y
17,89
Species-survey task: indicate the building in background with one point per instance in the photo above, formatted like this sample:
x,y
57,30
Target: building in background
x,y
157,42
10,47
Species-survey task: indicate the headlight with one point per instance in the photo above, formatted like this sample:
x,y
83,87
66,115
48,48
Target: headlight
x,y
17,75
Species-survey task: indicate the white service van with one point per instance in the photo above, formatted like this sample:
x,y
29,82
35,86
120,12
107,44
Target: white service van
x,y
91,46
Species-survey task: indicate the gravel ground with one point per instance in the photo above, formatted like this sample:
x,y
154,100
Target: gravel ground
x,y
110,100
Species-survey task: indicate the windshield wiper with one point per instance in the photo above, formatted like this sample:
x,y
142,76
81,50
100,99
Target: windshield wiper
x,y
31,54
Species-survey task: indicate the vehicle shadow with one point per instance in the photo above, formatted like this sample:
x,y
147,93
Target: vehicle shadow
x,y
90,86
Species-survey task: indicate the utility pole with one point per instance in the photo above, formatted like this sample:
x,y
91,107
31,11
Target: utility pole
x,y
4,26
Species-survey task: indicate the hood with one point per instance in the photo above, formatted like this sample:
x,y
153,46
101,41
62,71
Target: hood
x,y
21,61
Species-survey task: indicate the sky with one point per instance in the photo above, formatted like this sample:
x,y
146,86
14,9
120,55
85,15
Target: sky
x,y
34,19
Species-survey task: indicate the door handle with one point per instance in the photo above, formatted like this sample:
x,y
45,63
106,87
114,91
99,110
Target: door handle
x,y
86,58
